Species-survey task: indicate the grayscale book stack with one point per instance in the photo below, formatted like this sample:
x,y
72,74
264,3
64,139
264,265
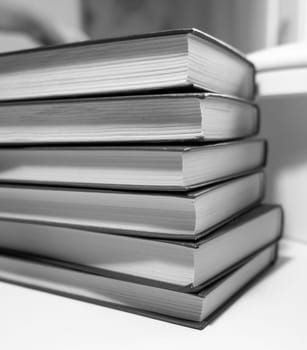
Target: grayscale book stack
x,y
129,175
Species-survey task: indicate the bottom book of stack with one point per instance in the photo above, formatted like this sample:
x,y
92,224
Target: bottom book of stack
x,y
253,250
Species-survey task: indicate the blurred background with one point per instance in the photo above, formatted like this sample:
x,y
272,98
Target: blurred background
x,y
249,25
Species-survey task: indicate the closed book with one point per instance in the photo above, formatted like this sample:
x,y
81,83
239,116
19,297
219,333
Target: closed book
x,y
161,168
179,59
178,265
193,310
153,214
164,118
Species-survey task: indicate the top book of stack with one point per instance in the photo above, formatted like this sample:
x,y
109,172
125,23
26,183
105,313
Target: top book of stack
x,y
172,61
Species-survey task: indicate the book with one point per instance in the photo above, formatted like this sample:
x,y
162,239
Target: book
x,y
140,118
193,310
179,265
170,60
150,167
154,214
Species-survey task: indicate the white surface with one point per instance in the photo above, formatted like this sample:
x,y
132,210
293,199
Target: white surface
x,y
272,315
282,82
281,70
280,57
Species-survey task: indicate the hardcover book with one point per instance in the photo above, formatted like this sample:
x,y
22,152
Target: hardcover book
x,y
140,118
172,60
179,265
193,310
161,168
153,214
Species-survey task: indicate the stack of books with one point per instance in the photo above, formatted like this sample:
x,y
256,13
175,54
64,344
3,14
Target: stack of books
x,y
129,175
